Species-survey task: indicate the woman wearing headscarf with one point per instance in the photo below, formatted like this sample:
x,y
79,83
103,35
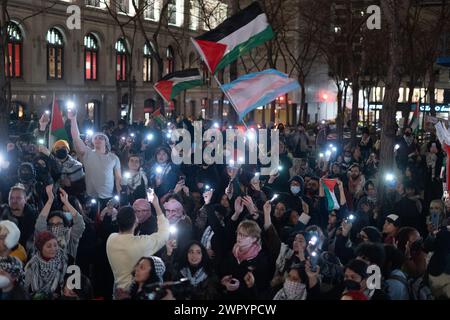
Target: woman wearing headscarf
x,y
148,271
12,279
44,273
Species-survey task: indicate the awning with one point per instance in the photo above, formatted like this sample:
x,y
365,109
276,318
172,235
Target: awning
x,y
443,61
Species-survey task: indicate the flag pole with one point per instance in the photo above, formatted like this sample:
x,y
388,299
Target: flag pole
x,y
50,121
230,99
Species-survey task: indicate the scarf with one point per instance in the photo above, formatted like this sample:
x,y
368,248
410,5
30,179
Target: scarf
x,y
198,277
206,237
135,181
62,235
45,276
292,290
285,254
248,254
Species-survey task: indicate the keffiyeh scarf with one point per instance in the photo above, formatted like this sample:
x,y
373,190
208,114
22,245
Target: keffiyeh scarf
x,y
45,276
198,277
135,181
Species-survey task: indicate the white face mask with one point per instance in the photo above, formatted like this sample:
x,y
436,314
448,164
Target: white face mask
x,y
4,282
246,242
295,189
347,159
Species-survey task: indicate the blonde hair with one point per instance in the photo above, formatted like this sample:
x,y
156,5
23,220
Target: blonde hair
x,y
251,228
438,202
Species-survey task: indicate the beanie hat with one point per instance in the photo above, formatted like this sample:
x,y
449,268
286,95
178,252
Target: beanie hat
x,y
42,238
13,236
107,143
61,143
394,219
358,266
372,233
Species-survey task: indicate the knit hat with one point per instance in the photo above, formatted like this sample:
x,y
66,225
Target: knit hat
x,y
394,219
61,144
160,267
107,143
358,266
13,236
42,238
164,148
356,295
13,267
372,233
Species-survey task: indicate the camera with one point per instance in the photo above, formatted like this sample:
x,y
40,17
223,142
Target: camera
x,y
157,291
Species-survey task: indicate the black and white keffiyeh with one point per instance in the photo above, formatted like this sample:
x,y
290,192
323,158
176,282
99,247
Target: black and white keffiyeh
x,y
43,276
13,266
198,277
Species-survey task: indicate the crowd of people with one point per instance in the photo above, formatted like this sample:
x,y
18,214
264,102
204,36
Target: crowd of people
x,y
140,227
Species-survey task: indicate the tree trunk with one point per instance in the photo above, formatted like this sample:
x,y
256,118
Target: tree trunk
x,y
303,112
431,89
273,106
355,115
288,110
395,12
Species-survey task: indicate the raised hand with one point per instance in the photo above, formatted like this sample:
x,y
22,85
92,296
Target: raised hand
x,y
207,196
238,206
63,196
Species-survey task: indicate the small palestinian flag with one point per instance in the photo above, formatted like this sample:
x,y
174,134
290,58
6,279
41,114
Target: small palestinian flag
x,y
173,83
233,37
57,129
159,118
328,187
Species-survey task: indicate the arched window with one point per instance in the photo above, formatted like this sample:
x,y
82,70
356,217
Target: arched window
x,y
13,61
90,57
121,60
170,60
148,63
55,54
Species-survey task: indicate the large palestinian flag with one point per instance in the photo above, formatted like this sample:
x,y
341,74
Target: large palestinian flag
x,y
173,83
233,37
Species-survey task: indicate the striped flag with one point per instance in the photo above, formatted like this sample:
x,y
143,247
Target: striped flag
x,y
233,37
173,83
57,129
257,89
328,187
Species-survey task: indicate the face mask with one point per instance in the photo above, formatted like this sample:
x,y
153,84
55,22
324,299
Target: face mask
x,y
351,285
434,211
293,289
347,159
61,153
246,242
295,189
4,282
26,177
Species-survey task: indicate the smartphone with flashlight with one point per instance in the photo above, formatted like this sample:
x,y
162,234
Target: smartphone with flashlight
x,y
314,259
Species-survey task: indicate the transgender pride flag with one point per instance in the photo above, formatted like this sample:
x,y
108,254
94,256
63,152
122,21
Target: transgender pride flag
x,y
258,89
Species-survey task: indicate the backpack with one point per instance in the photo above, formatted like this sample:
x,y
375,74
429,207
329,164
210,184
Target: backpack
x,y
417,287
